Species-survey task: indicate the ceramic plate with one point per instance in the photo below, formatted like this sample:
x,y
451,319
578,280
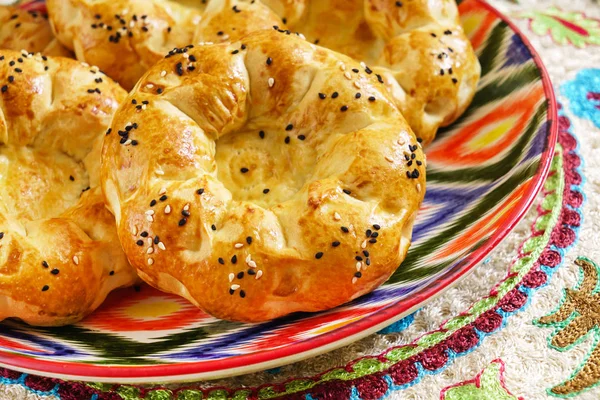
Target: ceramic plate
x,y
483,174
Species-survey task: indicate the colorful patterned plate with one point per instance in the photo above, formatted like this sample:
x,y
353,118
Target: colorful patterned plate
x,y
483,174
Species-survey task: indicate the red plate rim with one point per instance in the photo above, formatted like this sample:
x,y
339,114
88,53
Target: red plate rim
x,y
327,341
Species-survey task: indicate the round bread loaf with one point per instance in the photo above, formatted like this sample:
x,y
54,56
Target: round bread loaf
x,y
274,176
59,251
29,30
125,37
418,47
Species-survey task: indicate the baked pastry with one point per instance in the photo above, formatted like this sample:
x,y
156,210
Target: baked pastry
x,y
59,251
417,47
125,37
29,30
276,176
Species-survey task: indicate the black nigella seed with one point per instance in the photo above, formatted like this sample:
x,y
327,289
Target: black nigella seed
x,y
376,227
11,79
269,61
335,244
287,140
221,261
182,221
261,134
301,137
159,90
358,274
334,95
419,163
319,255
357,96
413,156
213,227
144,234
156,239
265,191
398,4
4,88
192,58
365,253
355,70
251,272
240,275
415,174
231,291
200,191
45,264
111,273
372,240
368,261
358,258
374,234
454,80
235,51
185,213
344,108
249,240
46,287
345,230
71,178
234,259
289,127
368,233
322,96
55,271
163,197
11,63
140,242
242,294
244,170
152,203
1,235
347,191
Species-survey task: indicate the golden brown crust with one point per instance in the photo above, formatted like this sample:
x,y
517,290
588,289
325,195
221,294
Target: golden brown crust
x,y
59,252
432,78
28,30
125,37
261,175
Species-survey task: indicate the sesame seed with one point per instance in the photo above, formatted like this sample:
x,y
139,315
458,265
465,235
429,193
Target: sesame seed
x,y
271,82
150,250
149,218
364,244
163,73
238,245
319,255
358,266
347,75
259,273
251,264
161,246
168,209
357,85
150,212
389,159
336,216
418,188
76,260
150,261
354,280
235,286
231,276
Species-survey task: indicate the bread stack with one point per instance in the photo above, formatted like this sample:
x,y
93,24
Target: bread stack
x,y
264,161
